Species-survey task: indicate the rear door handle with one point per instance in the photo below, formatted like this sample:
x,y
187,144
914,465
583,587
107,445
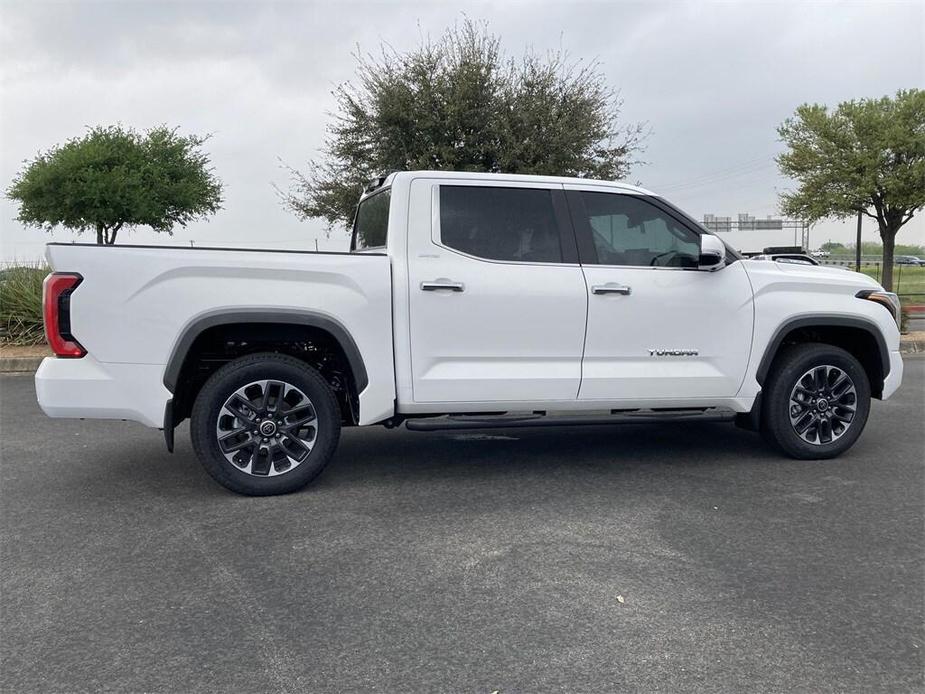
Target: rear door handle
x,y
611,288
437,285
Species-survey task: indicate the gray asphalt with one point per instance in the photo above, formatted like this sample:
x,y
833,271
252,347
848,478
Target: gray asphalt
x,y
685,557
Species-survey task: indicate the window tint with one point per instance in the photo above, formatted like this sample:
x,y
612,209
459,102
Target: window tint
x,y
372,222
628,230
500,223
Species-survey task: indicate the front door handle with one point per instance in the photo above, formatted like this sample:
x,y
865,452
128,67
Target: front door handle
x,y
439,284
611,288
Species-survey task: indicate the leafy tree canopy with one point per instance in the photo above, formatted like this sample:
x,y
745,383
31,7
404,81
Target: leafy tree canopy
x,y
459,103
866,156
114,177
869,248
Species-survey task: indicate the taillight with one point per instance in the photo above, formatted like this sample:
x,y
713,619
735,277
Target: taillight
x,y
56,305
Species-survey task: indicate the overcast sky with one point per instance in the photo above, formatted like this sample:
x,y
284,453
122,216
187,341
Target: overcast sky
x,y
712,80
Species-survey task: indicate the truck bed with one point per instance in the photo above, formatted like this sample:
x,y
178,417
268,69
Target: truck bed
x,y
135,304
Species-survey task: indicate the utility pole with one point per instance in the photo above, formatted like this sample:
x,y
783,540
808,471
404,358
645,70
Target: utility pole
x,y
857,247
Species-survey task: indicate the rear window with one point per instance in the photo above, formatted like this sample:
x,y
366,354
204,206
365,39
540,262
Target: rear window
x,y
513,224
370,229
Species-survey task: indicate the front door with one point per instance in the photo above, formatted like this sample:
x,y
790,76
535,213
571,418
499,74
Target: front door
x,y
658,328
497,299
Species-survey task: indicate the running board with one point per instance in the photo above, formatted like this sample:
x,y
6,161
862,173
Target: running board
x,y
535,421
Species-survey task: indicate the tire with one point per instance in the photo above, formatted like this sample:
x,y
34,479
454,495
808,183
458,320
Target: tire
x,y
282,432
812,374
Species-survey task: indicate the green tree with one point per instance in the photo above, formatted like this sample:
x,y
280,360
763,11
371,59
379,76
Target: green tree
x,y
832,247
460,104
114,177
910,249
866,156
869,248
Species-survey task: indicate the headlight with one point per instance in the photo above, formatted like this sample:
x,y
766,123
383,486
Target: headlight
x,y
888,300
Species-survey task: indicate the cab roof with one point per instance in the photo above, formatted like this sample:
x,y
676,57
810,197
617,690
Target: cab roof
x,y
499,177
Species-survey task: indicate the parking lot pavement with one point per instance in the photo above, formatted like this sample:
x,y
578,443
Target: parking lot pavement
x,y
679,557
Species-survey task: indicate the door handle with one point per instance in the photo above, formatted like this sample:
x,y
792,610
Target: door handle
x,y
437,285
611,288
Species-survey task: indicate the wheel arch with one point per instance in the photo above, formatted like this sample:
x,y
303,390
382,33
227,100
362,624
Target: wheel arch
x,y
858,336
184,353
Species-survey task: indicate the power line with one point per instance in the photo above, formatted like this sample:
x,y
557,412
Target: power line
x,y
719,178
725,169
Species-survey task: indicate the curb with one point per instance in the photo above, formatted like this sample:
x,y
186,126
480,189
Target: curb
x,y
911,346
19,364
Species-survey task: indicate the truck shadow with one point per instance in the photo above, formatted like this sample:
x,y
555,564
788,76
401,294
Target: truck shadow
x,y
390,456
375,459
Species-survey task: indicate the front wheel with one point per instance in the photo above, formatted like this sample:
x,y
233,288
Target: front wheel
x,y
265,424
816,401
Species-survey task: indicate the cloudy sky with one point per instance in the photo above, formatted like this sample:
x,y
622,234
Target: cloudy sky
x,y
712,80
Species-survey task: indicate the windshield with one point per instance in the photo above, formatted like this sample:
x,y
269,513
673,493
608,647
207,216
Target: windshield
x,y
371,225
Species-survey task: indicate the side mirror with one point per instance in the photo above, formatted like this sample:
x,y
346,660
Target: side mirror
x,y
712,253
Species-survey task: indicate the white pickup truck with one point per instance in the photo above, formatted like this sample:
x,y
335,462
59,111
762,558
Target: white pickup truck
x,y
466,301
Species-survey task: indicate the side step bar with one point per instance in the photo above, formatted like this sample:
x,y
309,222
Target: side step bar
x,y
535,421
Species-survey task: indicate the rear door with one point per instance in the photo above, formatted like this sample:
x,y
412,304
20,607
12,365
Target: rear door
x,y
658,328
497,298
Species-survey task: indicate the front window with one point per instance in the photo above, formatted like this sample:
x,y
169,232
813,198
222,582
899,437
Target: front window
x,y
628,230
371,226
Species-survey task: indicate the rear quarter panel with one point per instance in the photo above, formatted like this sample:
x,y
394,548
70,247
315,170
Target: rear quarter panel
x,y
135,302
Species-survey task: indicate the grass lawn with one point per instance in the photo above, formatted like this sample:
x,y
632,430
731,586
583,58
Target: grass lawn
x,y
908,281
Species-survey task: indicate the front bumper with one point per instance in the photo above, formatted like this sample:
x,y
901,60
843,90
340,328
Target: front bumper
x,y
895,377
88,389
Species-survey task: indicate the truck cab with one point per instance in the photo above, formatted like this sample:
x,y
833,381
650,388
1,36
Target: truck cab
x,y
561,295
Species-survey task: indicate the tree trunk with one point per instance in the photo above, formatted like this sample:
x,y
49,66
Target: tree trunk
x,y
115,230
888,236
100,240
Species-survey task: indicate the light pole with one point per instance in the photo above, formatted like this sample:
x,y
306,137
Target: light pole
x,y
857,247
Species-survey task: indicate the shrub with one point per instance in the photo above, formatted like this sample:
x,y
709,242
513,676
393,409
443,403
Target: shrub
x,y
21,304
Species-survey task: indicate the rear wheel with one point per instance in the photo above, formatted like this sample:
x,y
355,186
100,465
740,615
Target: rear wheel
x,y
265,424
816,401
